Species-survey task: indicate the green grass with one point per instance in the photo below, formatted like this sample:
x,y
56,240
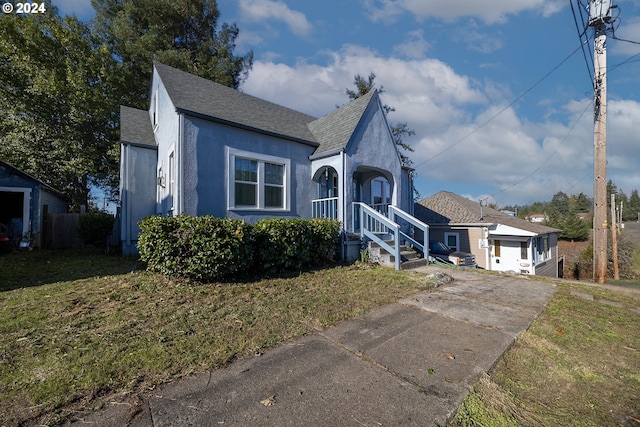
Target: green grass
x,y
578,364
76,327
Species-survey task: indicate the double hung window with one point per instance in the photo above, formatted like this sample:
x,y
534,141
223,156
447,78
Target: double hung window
x,y
258,181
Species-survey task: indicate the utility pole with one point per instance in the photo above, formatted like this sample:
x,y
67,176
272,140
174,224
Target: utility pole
x,y
614,237
599,16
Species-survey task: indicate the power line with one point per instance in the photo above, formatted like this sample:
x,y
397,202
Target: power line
x,y
581,34
490,119
571,128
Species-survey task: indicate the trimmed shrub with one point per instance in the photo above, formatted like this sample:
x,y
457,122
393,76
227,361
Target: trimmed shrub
x,y
293,244
202,248
207,248
95,228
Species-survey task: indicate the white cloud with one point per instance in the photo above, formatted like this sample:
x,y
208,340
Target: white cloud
x,y
415,46
264,10
527,160
489,11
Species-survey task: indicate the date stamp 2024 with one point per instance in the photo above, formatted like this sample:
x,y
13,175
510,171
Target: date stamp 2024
x,y
24,8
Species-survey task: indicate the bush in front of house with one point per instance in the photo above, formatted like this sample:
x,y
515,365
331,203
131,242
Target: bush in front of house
x,y
203,248
294,244
95,228
207,248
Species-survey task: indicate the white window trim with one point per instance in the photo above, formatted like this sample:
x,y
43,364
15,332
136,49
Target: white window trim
x,y
456,235
261,159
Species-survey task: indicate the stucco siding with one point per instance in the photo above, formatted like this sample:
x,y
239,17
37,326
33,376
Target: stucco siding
x,y
138,185
206,179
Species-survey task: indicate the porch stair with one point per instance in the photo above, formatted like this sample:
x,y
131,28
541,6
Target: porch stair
x,y
409,258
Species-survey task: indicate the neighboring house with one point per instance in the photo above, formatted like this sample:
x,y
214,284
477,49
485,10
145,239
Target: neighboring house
x,y
204,148
24,204
500,242
537,218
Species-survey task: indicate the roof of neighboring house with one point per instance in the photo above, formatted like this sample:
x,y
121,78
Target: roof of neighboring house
x,y
136,127
449,208
49,188
201,97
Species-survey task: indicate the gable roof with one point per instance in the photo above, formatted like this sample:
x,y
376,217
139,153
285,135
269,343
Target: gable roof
x,y
210,100
14,170
334,130
449,209
136,128
201,97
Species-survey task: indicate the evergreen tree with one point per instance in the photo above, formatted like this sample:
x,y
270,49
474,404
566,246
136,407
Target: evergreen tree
x,y
180,33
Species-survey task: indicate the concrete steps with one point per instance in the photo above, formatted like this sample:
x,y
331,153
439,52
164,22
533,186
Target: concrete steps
x,y
409,258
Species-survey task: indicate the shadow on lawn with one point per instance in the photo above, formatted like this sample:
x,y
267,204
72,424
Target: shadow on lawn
x,y
42,267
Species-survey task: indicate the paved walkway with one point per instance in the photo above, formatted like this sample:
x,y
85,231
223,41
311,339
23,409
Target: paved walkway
x,y
403,364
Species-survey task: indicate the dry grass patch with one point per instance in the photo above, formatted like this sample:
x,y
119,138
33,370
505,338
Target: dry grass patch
x,y
66,344
577,364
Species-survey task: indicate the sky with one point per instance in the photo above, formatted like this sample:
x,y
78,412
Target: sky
x,y
498,92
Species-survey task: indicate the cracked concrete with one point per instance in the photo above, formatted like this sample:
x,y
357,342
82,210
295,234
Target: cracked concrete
x,y
407,363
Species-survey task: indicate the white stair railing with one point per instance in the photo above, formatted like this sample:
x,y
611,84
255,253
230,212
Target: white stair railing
x,y
395,212
370,221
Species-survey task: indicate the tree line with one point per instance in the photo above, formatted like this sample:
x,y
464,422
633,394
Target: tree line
x,y
62,81
564,211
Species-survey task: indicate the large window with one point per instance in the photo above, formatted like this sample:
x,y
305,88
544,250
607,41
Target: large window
x,y
258,181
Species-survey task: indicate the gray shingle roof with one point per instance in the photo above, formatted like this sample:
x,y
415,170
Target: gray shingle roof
x,y
334,130
448,208
135,127
201,97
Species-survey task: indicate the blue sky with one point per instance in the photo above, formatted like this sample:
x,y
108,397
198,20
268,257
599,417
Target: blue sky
x,y
498,91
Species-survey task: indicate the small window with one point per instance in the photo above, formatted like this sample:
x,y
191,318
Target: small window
x,y
496,248
523,250
452,240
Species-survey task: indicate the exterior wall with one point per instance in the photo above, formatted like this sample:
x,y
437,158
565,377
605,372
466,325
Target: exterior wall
x,y
167,134
138,187
206,175
373,151
550,267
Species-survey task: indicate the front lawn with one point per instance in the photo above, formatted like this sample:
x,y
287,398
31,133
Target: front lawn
x,y
77,327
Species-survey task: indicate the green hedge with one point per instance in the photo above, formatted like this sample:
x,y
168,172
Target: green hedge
x,y
294,244
207,248
203,248
95,227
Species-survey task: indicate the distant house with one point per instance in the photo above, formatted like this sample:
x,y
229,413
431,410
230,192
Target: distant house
x,y
206,149
537,217
500,242
24,204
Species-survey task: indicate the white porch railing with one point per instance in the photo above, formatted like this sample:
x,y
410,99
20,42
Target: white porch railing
x,y
325,208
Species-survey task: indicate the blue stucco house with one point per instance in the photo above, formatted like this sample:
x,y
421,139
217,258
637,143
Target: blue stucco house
x,y
25,202
206,149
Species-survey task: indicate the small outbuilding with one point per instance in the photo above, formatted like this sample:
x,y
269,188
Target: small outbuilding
x,y
25,203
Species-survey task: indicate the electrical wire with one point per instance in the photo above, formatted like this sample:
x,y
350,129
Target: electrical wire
x,y
490,119
571,128
581,34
